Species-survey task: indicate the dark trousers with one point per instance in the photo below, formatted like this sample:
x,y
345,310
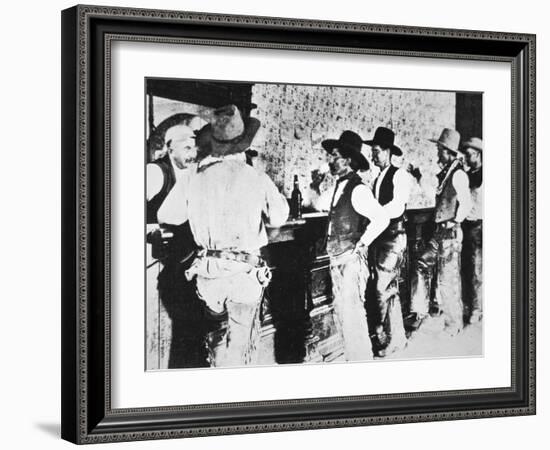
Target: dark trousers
x,y
442,253
386,255
190,323
472,272
186,312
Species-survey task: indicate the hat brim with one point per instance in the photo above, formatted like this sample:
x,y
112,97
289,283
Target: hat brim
x,y
205,139
437,141
330,144
346,151
475,147
394,149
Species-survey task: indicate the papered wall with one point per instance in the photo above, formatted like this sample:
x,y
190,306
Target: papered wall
x,y
295,119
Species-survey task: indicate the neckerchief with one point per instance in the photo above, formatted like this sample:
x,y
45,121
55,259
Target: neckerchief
x,y
445,174
210,160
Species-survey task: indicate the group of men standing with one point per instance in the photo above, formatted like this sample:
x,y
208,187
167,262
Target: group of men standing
x,y
227,205
367,242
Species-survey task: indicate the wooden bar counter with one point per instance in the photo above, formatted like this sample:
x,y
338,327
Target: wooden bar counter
x,y
298,301
298,322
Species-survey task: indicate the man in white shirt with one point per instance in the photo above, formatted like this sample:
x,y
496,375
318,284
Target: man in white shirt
x,y
173,247
472,272
355,220
386,253
443,250
180,153
228,204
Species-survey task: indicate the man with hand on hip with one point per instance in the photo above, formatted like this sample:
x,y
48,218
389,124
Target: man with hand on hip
x,y
355,220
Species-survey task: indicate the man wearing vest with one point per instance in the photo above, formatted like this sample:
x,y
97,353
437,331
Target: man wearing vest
x,y
443,250
472,227
355,220
180,153
228,204
391,189
176,293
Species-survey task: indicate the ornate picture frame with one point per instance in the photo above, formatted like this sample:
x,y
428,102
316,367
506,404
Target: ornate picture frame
x,y
88,33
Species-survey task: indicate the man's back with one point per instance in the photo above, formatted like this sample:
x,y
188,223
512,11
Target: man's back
x,y
228,204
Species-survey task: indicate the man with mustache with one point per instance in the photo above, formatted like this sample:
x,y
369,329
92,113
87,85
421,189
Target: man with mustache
x,y
180,152
355,220
173,245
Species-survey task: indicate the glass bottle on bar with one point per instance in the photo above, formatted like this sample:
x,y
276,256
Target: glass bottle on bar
x,y
296,200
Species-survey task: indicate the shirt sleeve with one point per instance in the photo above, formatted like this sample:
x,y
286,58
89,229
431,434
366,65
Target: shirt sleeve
x,y
276,209
155,180
401,192
364,203
173,210
461,185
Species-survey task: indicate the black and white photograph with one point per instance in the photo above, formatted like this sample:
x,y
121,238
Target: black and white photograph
x,y
283,223
300,224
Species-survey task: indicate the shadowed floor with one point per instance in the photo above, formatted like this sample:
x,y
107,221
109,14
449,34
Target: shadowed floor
x,y
431,341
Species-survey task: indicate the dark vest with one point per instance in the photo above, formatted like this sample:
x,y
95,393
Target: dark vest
x,y
153,205
446,202
346,226
385,195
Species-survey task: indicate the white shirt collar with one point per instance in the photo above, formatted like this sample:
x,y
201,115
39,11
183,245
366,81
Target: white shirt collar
x,y
212,159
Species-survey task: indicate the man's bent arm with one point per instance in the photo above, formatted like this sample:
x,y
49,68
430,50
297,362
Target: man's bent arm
x,y
364,203
401,190
276,207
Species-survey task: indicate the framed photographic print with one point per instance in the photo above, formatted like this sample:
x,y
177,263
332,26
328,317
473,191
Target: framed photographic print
x,y
281,224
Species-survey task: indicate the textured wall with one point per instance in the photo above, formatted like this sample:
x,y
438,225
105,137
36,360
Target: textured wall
x,y
296,119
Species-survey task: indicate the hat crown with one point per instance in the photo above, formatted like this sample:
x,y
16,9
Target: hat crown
x,y
227,123
227,132
384,137
449,138
475,143
349,146
351,139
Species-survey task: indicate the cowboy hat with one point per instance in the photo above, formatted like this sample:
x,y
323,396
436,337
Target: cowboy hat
x,y
449,139
227,133
349,145
384,137
475,143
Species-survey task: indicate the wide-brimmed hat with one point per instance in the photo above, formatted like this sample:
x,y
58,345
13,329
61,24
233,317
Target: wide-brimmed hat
x,y
349,145
384,137
475,143
450,139
227,133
